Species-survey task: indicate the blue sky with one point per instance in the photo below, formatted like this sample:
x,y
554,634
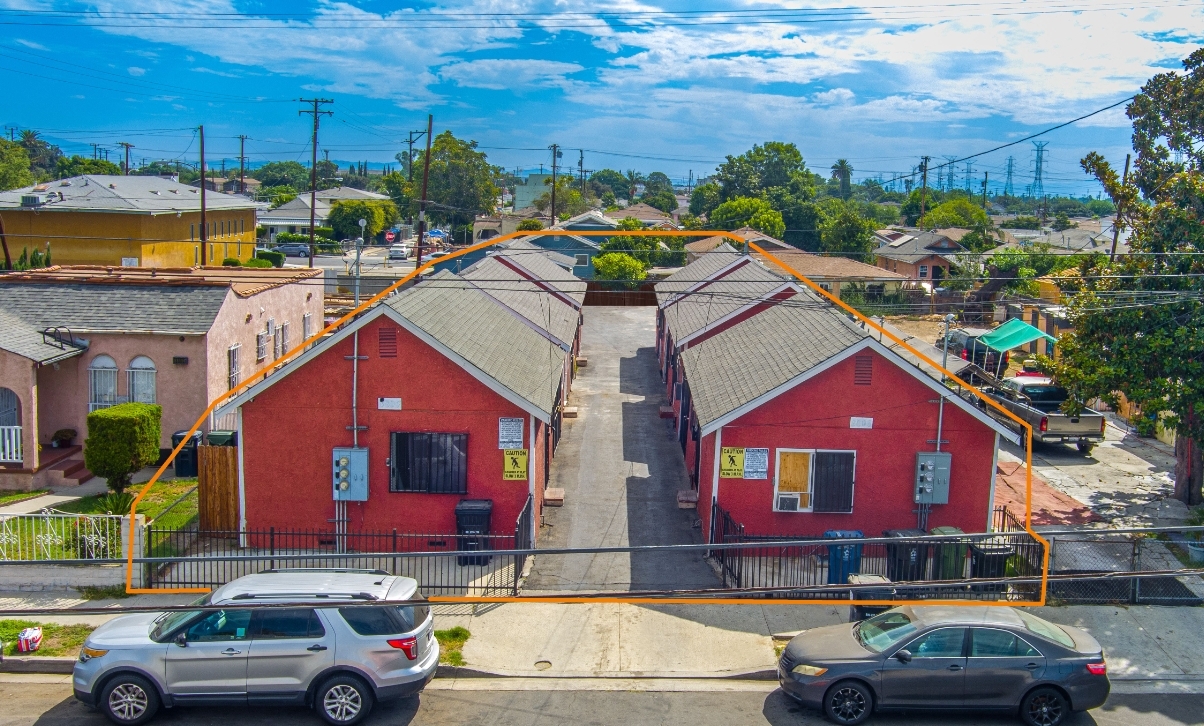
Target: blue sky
x,y
672,87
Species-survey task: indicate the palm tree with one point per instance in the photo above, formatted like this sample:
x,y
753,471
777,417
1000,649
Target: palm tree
x,y
843,171
633,178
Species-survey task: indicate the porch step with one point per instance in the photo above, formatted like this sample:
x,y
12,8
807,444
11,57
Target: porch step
x,y
72,471
47,458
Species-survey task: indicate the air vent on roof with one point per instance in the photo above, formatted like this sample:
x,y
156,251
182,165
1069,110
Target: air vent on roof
x,y
863,370
65,183
32,200
900,241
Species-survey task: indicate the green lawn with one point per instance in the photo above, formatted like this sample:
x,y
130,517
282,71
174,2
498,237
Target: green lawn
x,y
161,496
57,640
14,497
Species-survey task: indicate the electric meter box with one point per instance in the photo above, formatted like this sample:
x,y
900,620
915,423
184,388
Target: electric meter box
x,y
350,475
932,477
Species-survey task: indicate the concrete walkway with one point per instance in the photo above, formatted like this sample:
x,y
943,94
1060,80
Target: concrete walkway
x,y
57,496
621,468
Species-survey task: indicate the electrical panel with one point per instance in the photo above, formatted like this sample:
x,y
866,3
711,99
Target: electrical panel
x,y
932,477
350,475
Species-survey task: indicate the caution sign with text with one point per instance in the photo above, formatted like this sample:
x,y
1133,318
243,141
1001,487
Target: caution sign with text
x,y
731,463
514,467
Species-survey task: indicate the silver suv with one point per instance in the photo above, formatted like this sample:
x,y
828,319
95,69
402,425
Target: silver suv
x,y
333,650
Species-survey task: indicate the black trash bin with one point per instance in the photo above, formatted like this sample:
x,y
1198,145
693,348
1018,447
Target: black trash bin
x,y
906,561
472,529
989,558
883,592
186,461
222,438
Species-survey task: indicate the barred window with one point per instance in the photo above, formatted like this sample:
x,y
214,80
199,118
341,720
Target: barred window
x,y
235,369
307,325
140,380
283,338
261,345
426,462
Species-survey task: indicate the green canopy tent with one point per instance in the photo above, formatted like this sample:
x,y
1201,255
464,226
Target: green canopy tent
x,y
1013,334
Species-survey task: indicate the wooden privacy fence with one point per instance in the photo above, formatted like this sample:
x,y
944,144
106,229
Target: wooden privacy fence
x,y
612,293
217,487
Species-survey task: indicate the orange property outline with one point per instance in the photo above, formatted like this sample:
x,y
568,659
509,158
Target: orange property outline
x,y
1028,463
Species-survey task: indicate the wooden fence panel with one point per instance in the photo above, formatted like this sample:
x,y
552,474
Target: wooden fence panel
x,y
604,293
217,487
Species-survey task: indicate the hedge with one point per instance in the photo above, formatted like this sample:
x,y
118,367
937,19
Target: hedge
x,y
272,256
257,262
121,440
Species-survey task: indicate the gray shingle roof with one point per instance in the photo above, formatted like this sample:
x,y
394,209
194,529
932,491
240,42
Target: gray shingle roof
x,y
918,247
523,245
544,269
751,359
722,297
20,337
87,307
695,272
524,298
129,194
489,337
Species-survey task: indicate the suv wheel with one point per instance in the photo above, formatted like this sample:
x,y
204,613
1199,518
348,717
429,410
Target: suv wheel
x,y
129,700
848,703
343,700
1044,707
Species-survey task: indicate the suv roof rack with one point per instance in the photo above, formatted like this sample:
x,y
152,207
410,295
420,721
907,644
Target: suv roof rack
x,y
300,595
342,570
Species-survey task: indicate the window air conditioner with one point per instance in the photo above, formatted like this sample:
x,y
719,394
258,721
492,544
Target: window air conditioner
x,y
787,503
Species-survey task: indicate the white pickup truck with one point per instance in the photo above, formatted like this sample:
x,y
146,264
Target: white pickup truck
x,y
1039,401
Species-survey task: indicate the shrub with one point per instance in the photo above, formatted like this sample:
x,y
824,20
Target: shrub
x,y
619,266
231,262
530,225
256,262
1021,222
121,440
64,437
272,256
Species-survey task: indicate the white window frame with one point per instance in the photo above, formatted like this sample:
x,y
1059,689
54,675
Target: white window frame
x,y
261,346
923,273
307,325
777,468
140,379
283,337
98,374
233,365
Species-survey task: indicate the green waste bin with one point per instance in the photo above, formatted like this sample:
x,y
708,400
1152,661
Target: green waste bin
x,y
223,438
949,556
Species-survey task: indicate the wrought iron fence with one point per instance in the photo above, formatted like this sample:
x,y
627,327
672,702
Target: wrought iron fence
x,y
53,535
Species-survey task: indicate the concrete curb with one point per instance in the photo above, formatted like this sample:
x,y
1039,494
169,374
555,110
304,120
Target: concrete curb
x,y
768,674
36,664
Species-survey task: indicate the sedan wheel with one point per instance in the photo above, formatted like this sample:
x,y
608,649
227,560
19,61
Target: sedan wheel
x,y
848,703
1044,707
129,700
344,700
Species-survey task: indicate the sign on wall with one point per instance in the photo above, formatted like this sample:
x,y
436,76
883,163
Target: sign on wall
x,y
861,422
731,463
388,404
514,466
756,463
509,433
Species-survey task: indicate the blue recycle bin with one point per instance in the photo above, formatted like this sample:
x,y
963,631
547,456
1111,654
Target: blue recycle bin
x,y
843,560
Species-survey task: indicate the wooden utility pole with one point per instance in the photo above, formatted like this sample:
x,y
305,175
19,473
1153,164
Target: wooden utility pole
x,y
204,224
555,153
923,185
986,175
313,167
581,170
242,164
127,146
1116,213
426,173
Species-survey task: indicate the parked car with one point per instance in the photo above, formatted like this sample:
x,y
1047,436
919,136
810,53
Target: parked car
x,y
964,343
400,251
977,658
1039,401
427,257
293,249
335,651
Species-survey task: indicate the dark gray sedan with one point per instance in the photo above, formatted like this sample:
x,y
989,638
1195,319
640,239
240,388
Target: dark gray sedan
x,y
934,657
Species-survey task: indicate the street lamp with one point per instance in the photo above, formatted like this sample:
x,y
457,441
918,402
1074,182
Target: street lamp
x,y
359,243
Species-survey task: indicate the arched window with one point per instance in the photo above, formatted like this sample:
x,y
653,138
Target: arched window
x,y
140,380
102,383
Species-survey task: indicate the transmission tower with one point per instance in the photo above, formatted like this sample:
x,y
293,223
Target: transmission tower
x,y
1007,185
969,173
951,175
940,178
1038,189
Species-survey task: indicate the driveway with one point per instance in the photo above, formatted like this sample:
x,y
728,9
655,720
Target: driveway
x,y
621,468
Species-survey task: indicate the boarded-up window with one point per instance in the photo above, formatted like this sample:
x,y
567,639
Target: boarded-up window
x,y
863,370
833,481
386,341
424,462
794,481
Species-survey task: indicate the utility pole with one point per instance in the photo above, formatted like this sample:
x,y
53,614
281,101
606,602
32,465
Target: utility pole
x,y
1116,214
985,176
555,152
313,168
95,151
204,223
923,184
426,172
127,146
242,164
414,136
581,170
12,132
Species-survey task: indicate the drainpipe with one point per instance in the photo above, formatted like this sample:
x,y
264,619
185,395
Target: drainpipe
x,y
242,486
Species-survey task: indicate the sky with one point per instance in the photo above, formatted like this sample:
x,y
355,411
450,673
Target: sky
x,y
672,87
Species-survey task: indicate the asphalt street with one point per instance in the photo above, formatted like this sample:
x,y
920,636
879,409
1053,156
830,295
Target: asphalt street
x,y
46,704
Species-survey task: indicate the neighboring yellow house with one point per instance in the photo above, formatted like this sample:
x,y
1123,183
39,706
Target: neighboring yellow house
x,y
128,221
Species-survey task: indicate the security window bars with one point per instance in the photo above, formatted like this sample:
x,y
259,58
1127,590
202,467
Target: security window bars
x,y
140,380
102,383
235,369
283,338
425,462
307,325
261,346
833,480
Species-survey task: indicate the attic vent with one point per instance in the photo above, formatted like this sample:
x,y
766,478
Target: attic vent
x,y
387,342
863,370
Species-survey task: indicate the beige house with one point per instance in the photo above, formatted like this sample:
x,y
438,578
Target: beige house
x,y
76,339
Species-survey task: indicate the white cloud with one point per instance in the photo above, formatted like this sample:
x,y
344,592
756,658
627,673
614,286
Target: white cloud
x,y
31,44
513,74
136,71
212,72
835,96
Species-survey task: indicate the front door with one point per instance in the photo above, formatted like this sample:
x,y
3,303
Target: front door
x,y
288,649
212,664
1001,667
935,676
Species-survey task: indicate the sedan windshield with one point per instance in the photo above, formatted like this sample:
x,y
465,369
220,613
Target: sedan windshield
x,y
882,631
168,622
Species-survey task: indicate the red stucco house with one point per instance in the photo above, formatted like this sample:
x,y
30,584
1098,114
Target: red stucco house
x,y
440,380
824,424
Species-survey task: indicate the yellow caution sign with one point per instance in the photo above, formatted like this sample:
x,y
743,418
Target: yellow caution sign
x,y
514,466
731,463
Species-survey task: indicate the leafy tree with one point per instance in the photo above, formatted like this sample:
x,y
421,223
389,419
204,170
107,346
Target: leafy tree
x,y
619,266
400,190
704,198
77,165
661,199
122,439
842,171
43,156
910,209
1100,207
35,260
612,180
14,166
1062,222
643,248
656,182
843,231
634,179
462,182
1021,222
569,201
345,215
748,212
608,198
277,195
955,212
775,164
800,213
283,174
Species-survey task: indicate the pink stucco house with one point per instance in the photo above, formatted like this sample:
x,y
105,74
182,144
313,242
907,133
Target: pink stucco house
x,y
75,339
